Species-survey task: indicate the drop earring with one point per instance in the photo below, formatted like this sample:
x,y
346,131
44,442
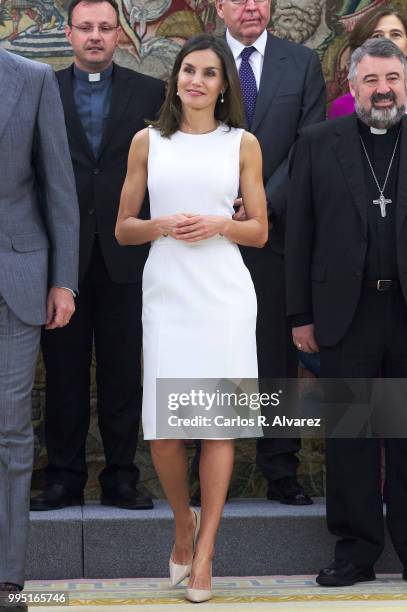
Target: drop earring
x,y
177,92
222,99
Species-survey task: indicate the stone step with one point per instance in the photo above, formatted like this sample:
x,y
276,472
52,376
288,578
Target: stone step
x,y
256,538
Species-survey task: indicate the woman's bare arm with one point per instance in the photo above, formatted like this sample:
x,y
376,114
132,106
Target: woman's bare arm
x,y
130,229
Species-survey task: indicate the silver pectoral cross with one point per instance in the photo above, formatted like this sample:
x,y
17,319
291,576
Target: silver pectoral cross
x,y
382,202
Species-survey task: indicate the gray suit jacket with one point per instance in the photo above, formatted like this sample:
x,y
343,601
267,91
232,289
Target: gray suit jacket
x,y
38,203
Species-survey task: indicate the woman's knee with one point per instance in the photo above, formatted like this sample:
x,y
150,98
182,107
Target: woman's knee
x,y
165,448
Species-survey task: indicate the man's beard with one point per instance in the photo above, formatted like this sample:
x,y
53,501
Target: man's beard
x,y
382,118
303,23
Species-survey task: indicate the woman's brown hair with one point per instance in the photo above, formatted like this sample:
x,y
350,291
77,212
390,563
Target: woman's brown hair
x,y
365,27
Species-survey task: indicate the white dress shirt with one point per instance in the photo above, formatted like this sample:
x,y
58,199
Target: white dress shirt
x,y
257,57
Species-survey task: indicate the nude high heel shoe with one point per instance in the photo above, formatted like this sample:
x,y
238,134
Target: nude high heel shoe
x,y
199,595
178,572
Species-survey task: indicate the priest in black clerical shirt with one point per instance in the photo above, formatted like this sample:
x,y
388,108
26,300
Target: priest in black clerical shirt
x,y
346,256
104,105
93,97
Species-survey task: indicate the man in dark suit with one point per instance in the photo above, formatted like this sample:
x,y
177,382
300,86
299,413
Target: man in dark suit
x,y
346,256
283,90
104,106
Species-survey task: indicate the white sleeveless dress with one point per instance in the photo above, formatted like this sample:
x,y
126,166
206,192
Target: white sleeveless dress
x,y
199,302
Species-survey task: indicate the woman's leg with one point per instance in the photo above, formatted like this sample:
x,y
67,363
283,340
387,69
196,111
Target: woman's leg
x,y
171,463
215,471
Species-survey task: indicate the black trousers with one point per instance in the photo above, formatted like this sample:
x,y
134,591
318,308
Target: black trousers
x,y
109,314
276,353
375,342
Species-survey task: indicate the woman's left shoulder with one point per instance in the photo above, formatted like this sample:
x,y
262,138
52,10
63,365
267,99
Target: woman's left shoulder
x,y
249,140
249,137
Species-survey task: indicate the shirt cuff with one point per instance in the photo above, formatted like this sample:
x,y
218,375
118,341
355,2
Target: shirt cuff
x,y
68,289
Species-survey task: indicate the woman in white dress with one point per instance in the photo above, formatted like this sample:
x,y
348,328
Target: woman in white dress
x,y
199,304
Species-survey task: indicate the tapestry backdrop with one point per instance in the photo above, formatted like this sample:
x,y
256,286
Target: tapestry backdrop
x,y
152,33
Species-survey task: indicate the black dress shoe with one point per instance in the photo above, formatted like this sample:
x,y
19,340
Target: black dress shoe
x,y
7,589
344,573
54,497
126,496
288,491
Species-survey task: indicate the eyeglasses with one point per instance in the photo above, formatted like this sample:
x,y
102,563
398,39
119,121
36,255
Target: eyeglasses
x,y
88,29
240,2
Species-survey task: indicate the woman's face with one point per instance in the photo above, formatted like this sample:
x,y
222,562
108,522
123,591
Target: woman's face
x,y
391,27
200,79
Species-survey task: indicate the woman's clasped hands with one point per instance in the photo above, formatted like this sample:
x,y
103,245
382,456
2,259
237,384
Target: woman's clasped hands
x,y
191,227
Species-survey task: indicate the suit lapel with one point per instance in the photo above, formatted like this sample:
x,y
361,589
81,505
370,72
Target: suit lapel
x,y
348,151
272,73
11,85
401,199
74,125
120,99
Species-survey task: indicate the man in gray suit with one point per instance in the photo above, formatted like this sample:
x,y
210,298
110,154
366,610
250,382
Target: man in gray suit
x,y
38,212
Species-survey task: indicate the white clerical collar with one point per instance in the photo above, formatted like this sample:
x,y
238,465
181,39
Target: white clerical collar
x,y
93,77
378,131
237,47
